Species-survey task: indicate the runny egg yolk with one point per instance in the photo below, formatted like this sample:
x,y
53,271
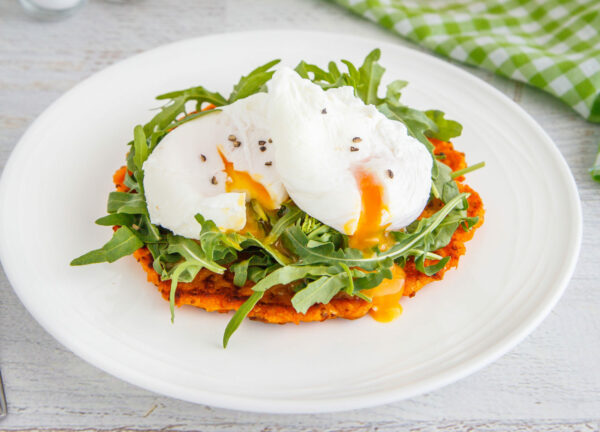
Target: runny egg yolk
x,y
241,181
386,297
369,231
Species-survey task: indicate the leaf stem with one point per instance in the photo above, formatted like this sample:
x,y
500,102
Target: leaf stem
x,y
467,170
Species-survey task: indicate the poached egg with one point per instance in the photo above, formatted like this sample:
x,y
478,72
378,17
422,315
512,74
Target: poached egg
x,y
345,163
338,159
213,165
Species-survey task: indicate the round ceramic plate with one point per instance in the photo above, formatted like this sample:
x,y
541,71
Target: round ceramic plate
x,y
516,267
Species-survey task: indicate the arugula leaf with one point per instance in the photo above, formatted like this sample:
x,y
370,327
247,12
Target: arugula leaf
x,y
194,259
371,280
394,91
190,269
305,69
353,76
449,191
240,271
350,283
124,202
131,183
334,72
289,274
140,146
443,186
164,262
120,219
446,129
250,240
256,274
192,252
467,170
416,122
123,242
199,93
289,218
164,121
321,290
370,74
240,314
190,117
148,232
217,245
431,269
167,114
253,83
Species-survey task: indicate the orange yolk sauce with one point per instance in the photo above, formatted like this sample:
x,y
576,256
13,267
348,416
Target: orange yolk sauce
x,y
369,233
386,296
241,181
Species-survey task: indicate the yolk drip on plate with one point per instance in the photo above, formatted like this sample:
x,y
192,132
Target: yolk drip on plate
x,y
241,181
386,297
369,231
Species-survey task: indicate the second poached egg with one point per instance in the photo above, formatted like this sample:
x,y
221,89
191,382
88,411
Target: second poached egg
x,y
345,163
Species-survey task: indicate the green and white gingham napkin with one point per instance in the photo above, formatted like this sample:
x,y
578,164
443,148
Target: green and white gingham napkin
x,y
550,44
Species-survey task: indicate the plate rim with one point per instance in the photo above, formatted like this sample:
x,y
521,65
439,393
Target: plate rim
x,y
473,364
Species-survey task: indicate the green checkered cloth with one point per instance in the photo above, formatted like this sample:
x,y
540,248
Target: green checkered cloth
x,y
550,44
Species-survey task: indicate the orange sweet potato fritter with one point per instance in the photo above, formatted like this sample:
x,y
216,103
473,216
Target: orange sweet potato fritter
x,y
214,292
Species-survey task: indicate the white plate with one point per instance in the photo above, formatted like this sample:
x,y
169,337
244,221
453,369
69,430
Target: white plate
x,y
59,175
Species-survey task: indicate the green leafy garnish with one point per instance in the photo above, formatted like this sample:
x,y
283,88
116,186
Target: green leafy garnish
x,y
240,314
321,290
446,129
123,242
254,82
290,247
467,170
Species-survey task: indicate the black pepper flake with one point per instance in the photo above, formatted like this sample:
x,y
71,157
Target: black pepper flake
x,y
203,158
270,140
356,139
269,163
353,149
262,148
390,173
213,180
324,111
237,143
232,138
262,142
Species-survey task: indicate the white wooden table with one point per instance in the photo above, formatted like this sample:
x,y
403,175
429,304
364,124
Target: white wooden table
x,y
550,382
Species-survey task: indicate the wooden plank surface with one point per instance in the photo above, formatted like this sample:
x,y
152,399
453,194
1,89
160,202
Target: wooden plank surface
x,y
550,382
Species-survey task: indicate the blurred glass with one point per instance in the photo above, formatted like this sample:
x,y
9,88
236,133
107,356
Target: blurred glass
x,y
51,9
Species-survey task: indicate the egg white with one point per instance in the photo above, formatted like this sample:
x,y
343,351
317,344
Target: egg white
x,y
184,175
317,130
